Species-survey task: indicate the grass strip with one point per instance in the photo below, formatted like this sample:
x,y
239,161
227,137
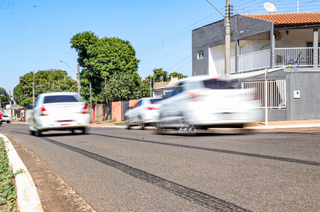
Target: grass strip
x,y
7,189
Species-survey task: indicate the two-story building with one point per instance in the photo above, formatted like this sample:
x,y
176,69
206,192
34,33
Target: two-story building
x,y
267,42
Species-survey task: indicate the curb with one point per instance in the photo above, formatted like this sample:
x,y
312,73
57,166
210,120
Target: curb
x,y
284,126
27,194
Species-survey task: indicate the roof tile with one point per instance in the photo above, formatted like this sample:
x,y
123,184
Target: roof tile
x,y
289,18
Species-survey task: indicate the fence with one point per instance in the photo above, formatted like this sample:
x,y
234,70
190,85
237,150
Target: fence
x,y
291,56
247,62
254,60
276,95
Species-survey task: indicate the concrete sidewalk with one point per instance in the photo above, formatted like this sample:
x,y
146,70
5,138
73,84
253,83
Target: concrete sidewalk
x,y
285,124
253,126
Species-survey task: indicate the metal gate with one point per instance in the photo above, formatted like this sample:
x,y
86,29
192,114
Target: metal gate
x,y
276,93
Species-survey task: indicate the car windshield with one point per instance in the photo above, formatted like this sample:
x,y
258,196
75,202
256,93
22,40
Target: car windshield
x,y
5,116
59,99
217,84
155,101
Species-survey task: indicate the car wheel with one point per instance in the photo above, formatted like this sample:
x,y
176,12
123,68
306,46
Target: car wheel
x,y
8,122
31,132
128,123
141,124
38,133
84,130
73,131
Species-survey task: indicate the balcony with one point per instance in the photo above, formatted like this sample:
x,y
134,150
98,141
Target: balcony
x,y
302,57
258,60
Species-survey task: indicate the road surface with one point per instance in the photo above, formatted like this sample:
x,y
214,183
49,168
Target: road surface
x,y
138,170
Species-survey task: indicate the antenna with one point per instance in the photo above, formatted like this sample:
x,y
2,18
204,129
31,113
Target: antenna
x,y
270,7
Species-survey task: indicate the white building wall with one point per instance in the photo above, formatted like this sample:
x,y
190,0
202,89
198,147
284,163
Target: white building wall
x,y
294,38
216,59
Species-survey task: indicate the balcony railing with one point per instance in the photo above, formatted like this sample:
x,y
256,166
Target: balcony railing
x,y
247,62
254,61
302,57
294,56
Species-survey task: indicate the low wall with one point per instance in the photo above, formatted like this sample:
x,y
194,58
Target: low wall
x,y
120,108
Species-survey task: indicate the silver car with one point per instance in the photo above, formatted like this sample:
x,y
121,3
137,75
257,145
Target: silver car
x,y
204,102
59,111
144,113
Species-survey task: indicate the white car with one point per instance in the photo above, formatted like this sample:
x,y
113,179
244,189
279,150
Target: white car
x,y
144,113
6,118
59,111
203,102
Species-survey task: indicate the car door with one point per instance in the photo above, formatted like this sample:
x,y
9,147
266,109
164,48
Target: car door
x,y
35,112
135,113
172,107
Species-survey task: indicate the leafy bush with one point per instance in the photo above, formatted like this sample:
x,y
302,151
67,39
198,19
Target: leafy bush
x,y
7,188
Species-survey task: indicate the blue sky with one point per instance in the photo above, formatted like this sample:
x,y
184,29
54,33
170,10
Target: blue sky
x,y
35,34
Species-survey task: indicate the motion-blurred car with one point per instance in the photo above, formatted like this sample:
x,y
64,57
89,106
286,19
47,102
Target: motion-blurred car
x,y
59,111
6,118
144,113
204,102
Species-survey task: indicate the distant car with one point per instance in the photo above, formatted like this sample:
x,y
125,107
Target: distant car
x,y
59,111
6,118
144,113
203,102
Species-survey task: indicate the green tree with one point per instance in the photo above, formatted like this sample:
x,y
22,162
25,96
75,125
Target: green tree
x,y
124,86
45,81
103,59
81,42
4,97
177,75
160,75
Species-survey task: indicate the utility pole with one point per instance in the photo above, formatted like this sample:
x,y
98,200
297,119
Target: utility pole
x,y
10,104
78,79
33,90
227,38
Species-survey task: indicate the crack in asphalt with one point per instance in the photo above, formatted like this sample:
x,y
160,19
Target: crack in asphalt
x,y
192,195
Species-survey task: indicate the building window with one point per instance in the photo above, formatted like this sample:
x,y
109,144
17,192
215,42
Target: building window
x,y
200,55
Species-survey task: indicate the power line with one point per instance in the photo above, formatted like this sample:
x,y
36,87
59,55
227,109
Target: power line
x,y
174,38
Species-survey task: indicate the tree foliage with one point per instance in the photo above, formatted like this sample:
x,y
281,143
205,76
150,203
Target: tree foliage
x,y
4,97
81,42
104,60
124,86
159,75
45,81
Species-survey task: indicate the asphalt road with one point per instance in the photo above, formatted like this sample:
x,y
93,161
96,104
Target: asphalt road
x,y
135,170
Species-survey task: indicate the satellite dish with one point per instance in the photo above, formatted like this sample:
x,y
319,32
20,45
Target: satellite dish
x,y
270,7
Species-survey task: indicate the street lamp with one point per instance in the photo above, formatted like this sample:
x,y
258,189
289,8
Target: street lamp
x,y
75,72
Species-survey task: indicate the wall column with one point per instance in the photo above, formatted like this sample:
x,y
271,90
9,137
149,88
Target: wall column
x,y
272,47
315,48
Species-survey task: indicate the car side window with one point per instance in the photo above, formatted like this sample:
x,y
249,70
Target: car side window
x,y
179,89
37,102
138,104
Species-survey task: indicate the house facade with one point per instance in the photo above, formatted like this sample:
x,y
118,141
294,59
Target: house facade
x,y
271,42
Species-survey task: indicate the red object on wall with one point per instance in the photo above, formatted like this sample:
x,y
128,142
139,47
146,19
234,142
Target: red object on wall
x,y
94,113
